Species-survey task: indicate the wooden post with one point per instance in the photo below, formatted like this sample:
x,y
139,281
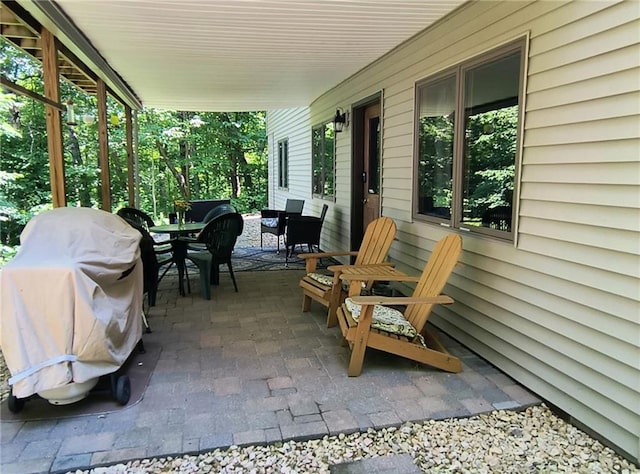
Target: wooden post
x,y
136,155
103,142
53,120
131,171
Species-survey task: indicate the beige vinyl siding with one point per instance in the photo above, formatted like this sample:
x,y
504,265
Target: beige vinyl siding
x,y
296,124
559,309
578,338
571,328
610,85
299,142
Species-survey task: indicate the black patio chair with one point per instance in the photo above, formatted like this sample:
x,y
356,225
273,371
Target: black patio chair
x,y
219,237
154,256
275,222
304,230
218,211
131,214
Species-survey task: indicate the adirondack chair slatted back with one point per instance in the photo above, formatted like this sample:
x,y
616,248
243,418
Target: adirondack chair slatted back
x,y
441,263
376,241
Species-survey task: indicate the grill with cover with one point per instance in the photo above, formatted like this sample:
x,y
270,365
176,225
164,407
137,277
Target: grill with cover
x,y
71,305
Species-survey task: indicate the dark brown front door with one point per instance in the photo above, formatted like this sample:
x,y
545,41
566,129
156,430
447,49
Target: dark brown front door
x,y
371,168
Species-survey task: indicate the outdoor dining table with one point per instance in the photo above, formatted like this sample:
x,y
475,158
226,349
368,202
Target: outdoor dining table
x,y
179,245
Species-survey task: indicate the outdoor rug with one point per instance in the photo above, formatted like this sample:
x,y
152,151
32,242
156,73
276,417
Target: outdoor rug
x,y
254,259
138,367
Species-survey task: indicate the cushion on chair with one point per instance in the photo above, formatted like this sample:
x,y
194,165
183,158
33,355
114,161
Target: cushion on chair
x,y
270,222
385,319
326,280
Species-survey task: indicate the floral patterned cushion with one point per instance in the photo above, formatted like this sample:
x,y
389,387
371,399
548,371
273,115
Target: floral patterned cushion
x,y
326,280
385,319
270,221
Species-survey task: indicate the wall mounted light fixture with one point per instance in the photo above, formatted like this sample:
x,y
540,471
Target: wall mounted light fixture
x,y
340,120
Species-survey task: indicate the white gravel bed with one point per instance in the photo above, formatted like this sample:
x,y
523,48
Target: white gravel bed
x,y
531,441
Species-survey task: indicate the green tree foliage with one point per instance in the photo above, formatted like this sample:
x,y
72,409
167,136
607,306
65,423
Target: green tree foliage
x,y
24,176
181,154
491,139
489,165
204,155
436,161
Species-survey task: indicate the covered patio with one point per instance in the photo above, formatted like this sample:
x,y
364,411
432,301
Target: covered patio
x,y
251,368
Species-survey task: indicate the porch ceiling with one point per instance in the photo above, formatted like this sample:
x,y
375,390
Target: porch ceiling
x,y
221,55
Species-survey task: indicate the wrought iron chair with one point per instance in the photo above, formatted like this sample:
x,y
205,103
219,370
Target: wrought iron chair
x,y
275,222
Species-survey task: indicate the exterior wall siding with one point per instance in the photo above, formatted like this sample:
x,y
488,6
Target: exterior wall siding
x,y
299,152
559,309
295,124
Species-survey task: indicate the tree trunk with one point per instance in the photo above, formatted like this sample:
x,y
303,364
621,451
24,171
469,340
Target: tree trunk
x,y
83,183
180,179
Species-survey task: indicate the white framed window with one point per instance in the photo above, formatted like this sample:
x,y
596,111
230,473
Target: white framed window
x,y
468,143
283,164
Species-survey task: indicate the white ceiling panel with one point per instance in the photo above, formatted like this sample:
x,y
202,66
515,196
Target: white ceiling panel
x,y
214,55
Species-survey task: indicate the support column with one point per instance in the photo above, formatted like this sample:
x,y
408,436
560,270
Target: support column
x,y
53,120
131,188
103,143
136,156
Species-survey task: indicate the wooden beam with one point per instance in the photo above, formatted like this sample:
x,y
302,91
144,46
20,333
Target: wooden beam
x,y
103,143
130,162
54,122
7,84
16,31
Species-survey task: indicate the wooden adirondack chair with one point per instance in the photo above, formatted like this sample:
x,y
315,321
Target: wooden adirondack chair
x,y
366,321
327,289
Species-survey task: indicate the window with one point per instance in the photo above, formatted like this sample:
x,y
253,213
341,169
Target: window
x,y
467,143
323,161
283,164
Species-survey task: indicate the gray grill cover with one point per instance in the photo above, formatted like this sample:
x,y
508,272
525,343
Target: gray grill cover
x,y
71,299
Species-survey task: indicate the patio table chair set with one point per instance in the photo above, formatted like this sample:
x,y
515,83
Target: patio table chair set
x,y
212,246
366,321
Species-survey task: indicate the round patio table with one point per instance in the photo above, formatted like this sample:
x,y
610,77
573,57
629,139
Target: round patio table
x,y
179,246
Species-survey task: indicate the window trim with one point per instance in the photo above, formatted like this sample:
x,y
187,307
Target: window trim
x,y
457,71
283,171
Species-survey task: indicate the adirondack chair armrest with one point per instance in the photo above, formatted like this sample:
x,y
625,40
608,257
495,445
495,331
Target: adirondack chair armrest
x,y
379,277
340,268
401,300
317,255
311,259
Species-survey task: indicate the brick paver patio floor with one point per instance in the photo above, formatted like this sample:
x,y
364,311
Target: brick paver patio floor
x,y
251,368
